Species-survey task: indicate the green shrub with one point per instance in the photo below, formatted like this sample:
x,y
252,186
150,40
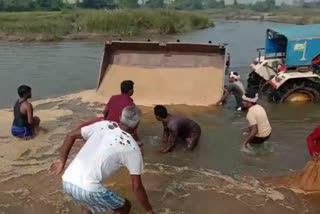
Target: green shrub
x,y
127,22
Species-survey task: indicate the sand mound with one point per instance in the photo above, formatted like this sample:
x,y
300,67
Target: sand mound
x,y
200,86
306,181
309,178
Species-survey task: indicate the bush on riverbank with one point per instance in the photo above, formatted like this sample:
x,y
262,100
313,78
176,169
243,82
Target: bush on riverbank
x,y
55,25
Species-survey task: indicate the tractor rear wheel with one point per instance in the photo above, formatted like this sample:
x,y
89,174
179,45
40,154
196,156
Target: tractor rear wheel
x,y
297,94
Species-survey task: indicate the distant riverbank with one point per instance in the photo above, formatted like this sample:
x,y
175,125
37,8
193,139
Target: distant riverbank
x,y
290,15
98,24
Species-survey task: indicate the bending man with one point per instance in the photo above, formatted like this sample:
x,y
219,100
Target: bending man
x,y
259,126
176,127
24,123
108,146
236,88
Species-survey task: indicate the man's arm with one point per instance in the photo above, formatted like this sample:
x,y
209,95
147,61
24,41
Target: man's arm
x,y
165,137
253,130
106,108
105,112
140,193
171,143
58,166
224,97
29,109
170,140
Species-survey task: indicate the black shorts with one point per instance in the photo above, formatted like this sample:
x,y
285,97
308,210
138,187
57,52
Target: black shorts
x,y
259,140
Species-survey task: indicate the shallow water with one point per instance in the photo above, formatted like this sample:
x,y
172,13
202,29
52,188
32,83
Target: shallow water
x,y
55,69
51,69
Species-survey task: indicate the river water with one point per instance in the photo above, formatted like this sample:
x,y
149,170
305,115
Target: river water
x,y
59,68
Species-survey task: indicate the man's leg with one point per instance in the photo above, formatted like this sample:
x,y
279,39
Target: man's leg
x,y
125,209
84,210
36,122
36,126
193,140
191,143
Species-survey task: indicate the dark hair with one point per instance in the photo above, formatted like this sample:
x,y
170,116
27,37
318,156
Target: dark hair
x,y
23,90
160,111
126,86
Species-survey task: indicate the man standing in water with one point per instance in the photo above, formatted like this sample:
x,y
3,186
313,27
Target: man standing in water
x,y
259,126
115,105
24,123
176,127
236,88
108,146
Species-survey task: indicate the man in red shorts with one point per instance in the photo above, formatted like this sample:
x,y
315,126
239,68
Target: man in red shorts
x,y
115,105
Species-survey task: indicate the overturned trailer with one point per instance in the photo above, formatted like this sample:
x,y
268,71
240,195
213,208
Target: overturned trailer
x,y
164,73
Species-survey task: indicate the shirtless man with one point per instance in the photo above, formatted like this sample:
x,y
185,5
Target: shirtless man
x,y
24,122
176,127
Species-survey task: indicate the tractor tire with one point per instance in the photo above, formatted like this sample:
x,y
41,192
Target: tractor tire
x,y
297,94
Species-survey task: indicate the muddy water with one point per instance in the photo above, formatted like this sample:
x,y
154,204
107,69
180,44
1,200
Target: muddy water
x,y
174,181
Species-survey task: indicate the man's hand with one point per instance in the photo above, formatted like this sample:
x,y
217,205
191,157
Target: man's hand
x,y
56,167
150,212
253,130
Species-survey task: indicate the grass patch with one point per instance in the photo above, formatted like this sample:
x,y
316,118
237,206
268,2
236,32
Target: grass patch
x,y
111,23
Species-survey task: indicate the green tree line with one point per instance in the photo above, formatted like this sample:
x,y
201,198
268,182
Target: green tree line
x,y
55,5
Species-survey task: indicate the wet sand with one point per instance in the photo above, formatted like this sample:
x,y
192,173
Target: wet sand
x,y
27,187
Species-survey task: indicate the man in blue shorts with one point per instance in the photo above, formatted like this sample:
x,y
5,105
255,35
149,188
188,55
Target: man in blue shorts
x,y
24,122
109,145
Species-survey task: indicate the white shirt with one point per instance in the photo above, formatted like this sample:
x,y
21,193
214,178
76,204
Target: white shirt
x,y
106,150
258,116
